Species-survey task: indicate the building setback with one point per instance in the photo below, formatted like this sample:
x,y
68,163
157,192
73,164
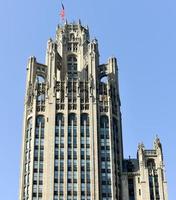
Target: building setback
x,y
72,136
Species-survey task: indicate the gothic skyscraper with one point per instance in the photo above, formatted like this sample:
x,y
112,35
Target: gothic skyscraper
x,y
72,138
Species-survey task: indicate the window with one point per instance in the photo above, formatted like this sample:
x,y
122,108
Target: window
x,y
72,65
131,188
40,121
72,119
105,156
59,120
40,97
40,79
104,122
84,120
153,179
104,79
38,155
103,85
139,192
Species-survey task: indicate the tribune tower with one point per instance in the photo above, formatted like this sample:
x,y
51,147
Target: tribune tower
x,y
72,136
72,124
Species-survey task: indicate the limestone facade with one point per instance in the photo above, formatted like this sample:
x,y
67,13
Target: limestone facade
x,y
72,135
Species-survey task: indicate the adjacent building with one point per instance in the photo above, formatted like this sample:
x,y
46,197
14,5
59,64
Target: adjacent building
x,y
144,177
72,136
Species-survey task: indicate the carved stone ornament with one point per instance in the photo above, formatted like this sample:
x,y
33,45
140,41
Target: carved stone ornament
x,y
30,96
141,146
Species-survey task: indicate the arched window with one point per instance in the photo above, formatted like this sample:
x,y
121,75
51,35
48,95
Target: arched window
x,y
29,123
40,121
59,119
72,65
41,97
104,79
72,119
40,79
104,122
72,37
84,119
103,85
151,164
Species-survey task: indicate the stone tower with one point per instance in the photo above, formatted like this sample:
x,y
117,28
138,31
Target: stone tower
x,y
72,136
72,139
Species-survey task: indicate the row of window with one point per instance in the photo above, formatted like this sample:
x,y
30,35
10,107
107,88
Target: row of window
x,y
72,150
105,158
153,180
72,157
27,164
38,157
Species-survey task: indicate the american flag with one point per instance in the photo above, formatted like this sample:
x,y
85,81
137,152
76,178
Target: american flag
x,y
62,12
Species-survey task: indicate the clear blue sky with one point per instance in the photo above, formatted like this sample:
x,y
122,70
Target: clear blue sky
x,y
140,33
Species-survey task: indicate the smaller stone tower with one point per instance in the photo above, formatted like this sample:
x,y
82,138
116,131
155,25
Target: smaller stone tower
x,y
144,177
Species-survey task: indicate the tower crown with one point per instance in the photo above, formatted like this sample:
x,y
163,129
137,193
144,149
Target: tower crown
x,y
72,37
